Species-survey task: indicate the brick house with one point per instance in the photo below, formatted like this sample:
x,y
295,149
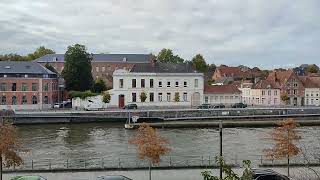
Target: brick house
x,y
290,84
234,73
103,65
27,85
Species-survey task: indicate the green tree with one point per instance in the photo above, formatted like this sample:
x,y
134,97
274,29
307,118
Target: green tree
x,y
199,63
77,69
312,68
99,85
176,97
167,56
12,57
51,68
39,52
285,98
106,97
143,97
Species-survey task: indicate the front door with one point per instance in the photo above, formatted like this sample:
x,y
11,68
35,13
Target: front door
x,y
121,101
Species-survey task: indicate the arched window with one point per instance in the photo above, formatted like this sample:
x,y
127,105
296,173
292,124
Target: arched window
x,y
14,100
3,100
24,100
46,100
34,100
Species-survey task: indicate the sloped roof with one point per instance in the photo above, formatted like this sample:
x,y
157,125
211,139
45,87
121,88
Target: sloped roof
x,y
116,58
265,84
310,82
163,68
232,71
280,77
221,89
22,67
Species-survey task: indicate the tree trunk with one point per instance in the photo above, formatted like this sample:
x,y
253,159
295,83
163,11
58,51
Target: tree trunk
x,y
149,170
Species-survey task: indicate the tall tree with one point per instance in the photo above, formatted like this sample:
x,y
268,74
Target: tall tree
x,y
150,145
77,69
9,145
39,52
167,56
285,136
199,63
99,85
312,68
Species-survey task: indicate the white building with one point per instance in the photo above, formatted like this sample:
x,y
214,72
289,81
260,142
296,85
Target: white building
x,y
163,85
312,90
222,94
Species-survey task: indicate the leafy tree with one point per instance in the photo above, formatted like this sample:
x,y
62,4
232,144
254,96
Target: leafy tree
x,y
99,85
106,97
51,68
9,145
167,56
199,63
82,94
228,172
77,69
150,145
284,137
143,97
176,97
41,51
312,68
285,98
13,57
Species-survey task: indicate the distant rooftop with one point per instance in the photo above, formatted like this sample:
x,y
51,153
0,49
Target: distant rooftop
x,y
23,67
113,58
163,68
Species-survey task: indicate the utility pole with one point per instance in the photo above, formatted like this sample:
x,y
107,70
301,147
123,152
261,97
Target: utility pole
x,y
220,132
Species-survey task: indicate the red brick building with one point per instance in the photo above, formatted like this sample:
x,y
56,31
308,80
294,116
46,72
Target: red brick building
x,y
103,65
27,85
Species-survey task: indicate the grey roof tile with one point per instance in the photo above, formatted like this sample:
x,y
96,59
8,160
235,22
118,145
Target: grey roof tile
x,y
163,68
22,67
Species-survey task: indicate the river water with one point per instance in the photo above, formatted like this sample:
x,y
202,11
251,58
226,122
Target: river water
x,y
110,141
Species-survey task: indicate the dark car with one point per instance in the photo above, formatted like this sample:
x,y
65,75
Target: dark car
x,y
113,178
268,174
130,106
205,106
239,105
219,106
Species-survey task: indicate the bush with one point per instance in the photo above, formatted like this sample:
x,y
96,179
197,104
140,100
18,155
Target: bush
x,y
143,97
99,85
176,97
82,95
106,97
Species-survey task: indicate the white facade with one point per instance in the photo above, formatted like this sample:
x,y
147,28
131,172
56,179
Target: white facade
x,y
260,97
160,88
226,99
312,96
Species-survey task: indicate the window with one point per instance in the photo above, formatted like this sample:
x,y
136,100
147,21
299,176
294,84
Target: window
x,y
168,84
46,100
134,83
120,83
151,97
196,83
151,83
206,99
269,92
168,97
160,83
103,69
46,87
275,92
3,87
263,93
97,69
24,87
34,87
295,85
311,101
134,97
14,100
3,100
14,87
185,96
294,91
34,100
160,97
143,83
24,100
275,101
177,83
185,84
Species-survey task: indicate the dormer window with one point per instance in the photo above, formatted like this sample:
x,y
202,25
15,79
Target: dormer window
x,y
54,59
124,59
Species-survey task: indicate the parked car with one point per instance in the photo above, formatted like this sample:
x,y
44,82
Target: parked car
x,y
268,174
239,105
119,177
205,106
56,106
28,178
130,106
219,106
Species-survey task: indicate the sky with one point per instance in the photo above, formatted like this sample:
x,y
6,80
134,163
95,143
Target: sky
x,y
264,33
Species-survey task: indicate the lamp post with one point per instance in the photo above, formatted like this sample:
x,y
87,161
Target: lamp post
x,y
220,132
